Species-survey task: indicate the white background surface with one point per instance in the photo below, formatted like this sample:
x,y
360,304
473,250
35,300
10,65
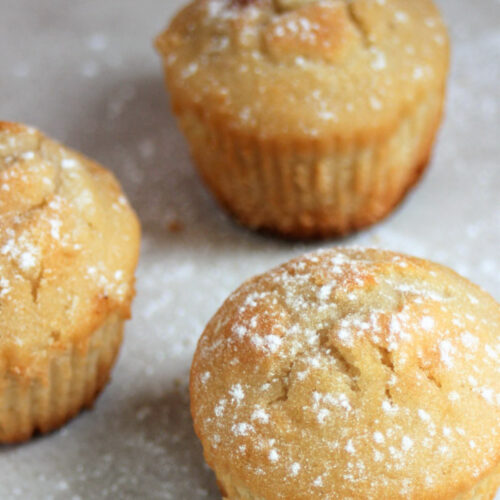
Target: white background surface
x,y
85,72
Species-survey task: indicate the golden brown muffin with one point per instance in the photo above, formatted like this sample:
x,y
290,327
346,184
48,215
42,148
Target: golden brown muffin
x,y
308,118
69,245
352,374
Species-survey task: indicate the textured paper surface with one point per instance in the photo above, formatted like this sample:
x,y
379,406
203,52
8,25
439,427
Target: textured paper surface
x,y
85,72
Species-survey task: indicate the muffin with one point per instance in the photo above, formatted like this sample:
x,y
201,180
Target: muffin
x,y
69,245
352,374
308,118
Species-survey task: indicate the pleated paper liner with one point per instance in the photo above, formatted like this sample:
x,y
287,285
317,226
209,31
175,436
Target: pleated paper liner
x,y
70,382
316,187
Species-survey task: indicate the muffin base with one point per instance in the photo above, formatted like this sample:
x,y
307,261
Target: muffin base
x,y
71,380
324,228
312,188
486,489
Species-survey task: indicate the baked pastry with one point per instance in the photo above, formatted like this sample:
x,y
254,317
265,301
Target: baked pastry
x,y
352,374
69,244
308,118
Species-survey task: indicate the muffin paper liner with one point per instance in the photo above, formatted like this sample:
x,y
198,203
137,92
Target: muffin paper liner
x,y
313,187
70,381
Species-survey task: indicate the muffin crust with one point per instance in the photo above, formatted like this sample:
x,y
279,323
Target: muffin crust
x,y
305,69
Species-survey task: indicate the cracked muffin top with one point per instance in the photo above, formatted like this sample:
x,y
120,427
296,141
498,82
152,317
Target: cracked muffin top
x,y
305,67
69,245
351,373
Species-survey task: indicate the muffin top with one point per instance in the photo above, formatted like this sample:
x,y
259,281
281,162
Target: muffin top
x,y
69,245
351,374
303,67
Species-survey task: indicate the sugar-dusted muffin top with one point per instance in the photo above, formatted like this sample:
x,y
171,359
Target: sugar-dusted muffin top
x,y
69,245
350,374
305,67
